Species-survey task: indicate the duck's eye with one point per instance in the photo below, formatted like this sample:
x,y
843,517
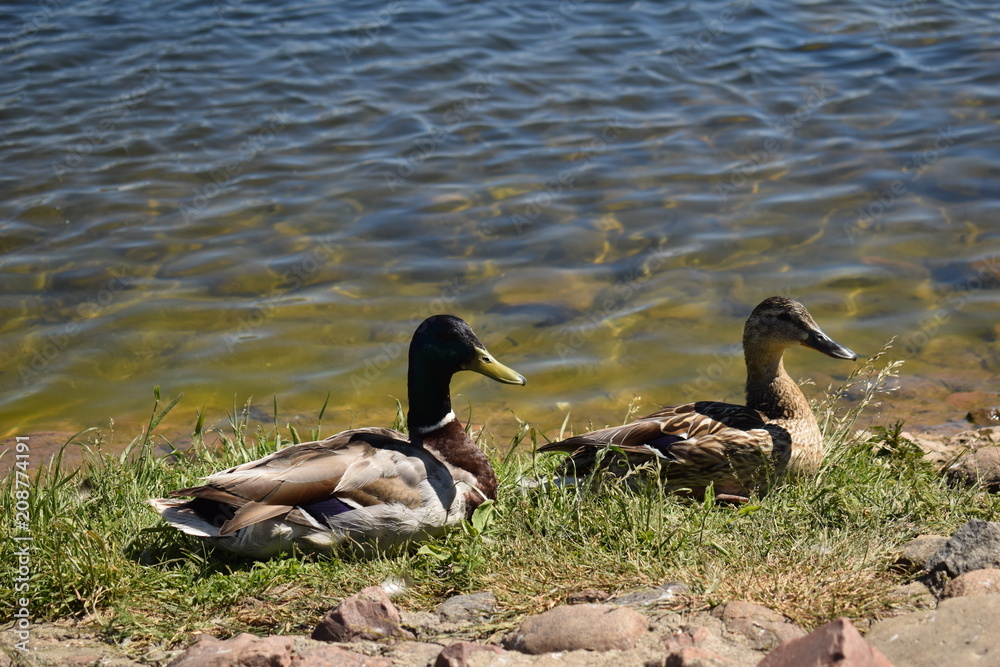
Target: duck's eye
x,y
486,360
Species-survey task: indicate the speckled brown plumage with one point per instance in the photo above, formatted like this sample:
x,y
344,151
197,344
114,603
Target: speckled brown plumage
x,y
739,449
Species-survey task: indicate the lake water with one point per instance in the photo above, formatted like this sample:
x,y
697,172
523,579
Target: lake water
x,y
262,199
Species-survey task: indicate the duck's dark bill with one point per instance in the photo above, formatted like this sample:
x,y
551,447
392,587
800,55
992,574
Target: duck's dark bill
x,y
820,342
485,363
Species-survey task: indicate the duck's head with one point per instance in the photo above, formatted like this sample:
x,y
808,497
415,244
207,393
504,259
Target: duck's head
x,y
778,323
445,344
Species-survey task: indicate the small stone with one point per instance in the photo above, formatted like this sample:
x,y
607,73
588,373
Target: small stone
x,y
961,631
975,546
243,649
472,608
765,628
368,614
836,644
915,553
977,582
592,627
686,637
457,655
978,468
589,595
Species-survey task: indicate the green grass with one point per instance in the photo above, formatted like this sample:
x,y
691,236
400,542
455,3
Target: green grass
x,y
813,549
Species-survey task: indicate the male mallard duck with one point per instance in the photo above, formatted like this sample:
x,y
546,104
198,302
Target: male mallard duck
x,y
737,448
372,486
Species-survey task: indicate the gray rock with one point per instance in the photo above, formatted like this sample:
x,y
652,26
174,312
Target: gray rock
x,y
472,608
368,614
960,632
668,592
975,546
977,582
836,644
915,553
766,629
978,468
592,627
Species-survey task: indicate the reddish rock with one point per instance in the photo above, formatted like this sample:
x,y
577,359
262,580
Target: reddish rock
x,y
968,400
592,627
836,644
764,627
368,614
685,638
243,649
457,655
976,582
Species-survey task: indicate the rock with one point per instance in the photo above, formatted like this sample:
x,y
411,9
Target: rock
x,y
836,644
593,627
457,655
967,400
975,546
915,553
915,594
978,468
243,649
668,592
977,582
473,608
368,614
409,653
961,631
984,416
765,628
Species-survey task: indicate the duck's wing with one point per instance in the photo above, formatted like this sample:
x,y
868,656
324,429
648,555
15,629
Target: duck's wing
x,y
667,426
350,470
699,443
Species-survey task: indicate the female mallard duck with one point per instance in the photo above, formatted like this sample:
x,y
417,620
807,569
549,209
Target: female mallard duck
x,y
372,486
736,448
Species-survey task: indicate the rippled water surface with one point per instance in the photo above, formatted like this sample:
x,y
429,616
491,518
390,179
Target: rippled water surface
x,y
263,199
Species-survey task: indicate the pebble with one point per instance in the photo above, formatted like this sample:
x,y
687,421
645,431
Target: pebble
x,y
471,608
915,553
766,629
836,644
368,614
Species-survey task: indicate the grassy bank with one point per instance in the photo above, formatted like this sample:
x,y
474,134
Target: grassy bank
x,y
813,549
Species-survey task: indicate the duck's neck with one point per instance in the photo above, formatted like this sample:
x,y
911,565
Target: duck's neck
x,y
432,425
770,389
